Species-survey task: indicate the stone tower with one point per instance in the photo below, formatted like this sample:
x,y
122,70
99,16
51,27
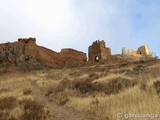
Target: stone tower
x,y
98,52
124,51
144,50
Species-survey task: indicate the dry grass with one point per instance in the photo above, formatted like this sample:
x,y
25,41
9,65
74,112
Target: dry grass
x,y
141,98
16,98
26,109
101,91
131,101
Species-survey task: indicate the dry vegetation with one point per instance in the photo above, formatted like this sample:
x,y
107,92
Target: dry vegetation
x,y
17,99
99,91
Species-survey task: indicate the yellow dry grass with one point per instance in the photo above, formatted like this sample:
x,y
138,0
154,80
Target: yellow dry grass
x,y
133,100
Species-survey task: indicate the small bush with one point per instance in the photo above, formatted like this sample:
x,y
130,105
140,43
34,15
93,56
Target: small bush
x,y
157,86
63,85
32,110
49,91
27,91
143,86
112,87
5,115
75,73
116,85
7,103
93,76
62,98
3,90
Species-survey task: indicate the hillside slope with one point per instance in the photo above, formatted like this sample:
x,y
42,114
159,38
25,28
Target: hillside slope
x,y
26,54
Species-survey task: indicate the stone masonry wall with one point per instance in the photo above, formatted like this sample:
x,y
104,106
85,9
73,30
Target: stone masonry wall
x,y
98,52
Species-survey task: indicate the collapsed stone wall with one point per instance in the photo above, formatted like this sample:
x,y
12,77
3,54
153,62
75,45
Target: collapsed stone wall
x,y
20,54
143,51
27,54
73,57
133,53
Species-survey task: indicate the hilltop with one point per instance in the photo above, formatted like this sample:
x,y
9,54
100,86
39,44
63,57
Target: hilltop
x,y
102,87
97,92
27,55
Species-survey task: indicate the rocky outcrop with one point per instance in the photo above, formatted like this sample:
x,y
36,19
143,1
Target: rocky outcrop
x,y
26,54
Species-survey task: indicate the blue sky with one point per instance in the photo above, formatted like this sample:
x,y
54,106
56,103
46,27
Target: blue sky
x,y
77,23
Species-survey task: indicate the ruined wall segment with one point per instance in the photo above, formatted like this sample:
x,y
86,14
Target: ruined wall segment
x,y
124,52
133,53
27,40
26,54
98,52
20,54
144,50
142,53
73,57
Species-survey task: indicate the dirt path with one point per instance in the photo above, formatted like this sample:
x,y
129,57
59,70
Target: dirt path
x,y
61,113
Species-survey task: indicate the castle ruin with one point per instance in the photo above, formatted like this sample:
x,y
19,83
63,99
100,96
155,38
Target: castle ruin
x,y
27,40
142,51
25,53
98,52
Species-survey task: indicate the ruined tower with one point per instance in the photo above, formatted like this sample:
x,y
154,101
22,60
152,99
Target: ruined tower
x,y
98,52
124,51
144,50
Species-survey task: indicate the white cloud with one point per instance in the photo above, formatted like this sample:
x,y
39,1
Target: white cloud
x,y
77,23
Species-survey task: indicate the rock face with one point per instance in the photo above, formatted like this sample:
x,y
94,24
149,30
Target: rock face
x,y
27,55
98,52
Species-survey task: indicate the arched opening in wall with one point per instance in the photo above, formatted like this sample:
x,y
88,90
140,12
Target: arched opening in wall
x,y
96,59
140,53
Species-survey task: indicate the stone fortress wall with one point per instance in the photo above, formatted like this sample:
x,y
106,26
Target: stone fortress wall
x,y
25,53
143,50
98,52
